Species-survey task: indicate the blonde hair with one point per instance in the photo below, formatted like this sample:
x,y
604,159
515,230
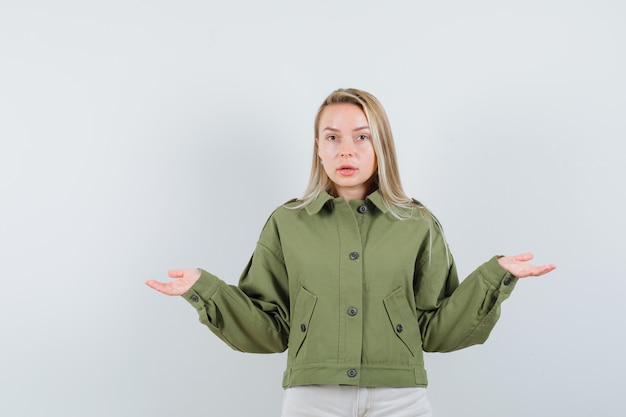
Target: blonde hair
x,y
387,176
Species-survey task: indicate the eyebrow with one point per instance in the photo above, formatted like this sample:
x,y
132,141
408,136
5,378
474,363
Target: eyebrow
x,y
332,129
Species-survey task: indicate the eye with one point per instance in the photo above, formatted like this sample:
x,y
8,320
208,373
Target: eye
x,y
362,137
331,137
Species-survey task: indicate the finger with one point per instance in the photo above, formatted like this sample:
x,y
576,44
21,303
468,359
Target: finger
x,y
524,257
545,269
536,271
175,273
154,284
159,286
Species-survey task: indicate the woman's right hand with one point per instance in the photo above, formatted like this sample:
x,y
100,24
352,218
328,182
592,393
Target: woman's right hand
x,y
184,280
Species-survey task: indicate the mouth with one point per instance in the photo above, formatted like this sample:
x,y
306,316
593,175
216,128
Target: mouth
x,y
346,169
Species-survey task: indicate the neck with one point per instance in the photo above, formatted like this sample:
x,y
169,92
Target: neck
x,y
350,194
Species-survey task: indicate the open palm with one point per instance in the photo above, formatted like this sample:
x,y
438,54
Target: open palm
x,y
183,281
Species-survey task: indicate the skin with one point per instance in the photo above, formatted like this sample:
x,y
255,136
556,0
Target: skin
x,y
348,156
346,150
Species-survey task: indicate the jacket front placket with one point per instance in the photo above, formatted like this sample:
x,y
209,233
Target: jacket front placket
x,y
351,247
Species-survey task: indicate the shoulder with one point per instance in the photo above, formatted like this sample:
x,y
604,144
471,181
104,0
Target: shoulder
x,y
436,251
428,222
283,221
419,211
287,210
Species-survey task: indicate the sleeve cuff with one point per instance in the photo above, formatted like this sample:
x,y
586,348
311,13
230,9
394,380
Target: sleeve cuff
x,y
497,276
202,290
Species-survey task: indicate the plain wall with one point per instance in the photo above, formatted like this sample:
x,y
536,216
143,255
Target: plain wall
x,y
136,137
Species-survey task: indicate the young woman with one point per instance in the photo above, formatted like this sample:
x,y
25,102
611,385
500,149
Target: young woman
x,y
355,279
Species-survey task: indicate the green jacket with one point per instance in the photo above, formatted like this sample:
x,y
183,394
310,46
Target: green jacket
x,y
354,293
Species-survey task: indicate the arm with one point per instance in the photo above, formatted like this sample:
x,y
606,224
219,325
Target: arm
x,y
453,316
250,317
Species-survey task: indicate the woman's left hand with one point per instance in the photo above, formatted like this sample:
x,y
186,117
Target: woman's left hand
x,y
518,265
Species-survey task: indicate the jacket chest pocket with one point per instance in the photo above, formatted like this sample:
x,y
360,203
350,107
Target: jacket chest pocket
x,y
403,321
302,313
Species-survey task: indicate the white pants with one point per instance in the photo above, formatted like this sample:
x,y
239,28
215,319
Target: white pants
x,y
350,401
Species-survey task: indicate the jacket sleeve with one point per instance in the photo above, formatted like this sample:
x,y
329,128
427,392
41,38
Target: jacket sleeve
x,y
453,316
254,315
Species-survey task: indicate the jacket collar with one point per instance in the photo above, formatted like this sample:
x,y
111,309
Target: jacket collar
x,y
325,199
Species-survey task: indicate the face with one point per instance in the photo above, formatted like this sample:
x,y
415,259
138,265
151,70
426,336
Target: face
x,y
345,147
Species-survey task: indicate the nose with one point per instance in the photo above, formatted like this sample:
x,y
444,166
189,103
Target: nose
x,y
347,149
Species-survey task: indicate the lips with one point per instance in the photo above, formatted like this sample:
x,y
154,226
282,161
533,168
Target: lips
x,y
346,169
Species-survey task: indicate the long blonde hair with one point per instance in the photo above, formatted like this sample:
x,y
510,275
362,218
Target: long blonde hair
x,y
387,176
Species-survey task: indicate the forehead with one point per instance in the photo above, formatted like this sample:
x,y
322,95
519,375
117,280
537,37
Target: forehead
x,y
342,114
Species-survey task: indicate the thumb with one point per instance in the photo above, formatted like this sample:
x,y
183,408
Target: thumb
x,y
524,257
176,273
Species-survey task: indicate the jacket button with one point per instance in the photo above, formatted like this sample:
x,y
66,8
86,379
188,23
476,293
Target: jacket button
x,y
195,298
352,311
399,328
351,373
507,281
362,209
303,327
354,255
